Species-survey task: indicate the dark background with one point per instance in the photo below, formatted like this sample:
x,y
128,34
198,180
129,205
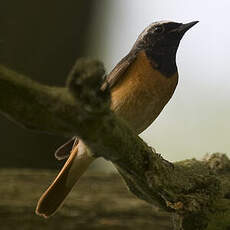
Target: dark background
x,y
41,39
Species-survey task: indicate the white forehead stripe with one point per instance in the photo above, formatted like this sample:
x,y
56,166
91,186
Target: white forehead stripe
x,y
145,31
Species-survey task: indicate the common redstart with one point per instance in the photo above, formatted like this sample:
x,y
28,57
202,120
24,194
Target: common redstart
x,y
141,84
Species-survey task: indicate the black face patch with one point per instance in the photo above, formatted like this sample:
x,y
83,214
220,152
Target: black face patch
x,y
171,26
160,43
165,64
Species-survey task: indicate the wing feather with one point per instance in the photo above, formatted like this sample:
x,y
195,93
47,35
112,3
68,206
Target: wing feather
x,y
118,72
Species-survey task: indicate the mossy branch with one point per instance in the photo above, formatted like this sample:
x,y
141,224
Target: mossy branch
x,y
194,191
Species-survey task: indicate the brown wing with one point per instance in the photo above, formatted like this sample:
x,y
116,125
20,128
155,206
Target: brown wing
x,y
118,72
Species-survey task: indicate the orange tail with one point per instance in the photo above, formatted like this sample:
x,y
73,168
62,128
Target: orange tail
x,y
73,169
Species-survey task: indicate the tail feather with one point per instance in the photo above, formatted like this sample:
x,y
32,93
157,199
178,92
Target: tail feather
x,y
54,196
64,151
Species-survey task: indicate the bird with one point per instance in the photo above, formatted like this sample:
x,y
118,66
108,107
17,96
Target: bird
x,y
141,84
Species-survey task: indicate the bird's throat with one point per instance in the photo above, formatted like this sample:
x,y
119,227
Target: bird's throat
x,y
165,63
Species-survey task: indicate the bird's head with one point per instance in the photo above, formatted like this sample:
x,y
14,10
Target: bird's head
x,y
161,37
160,41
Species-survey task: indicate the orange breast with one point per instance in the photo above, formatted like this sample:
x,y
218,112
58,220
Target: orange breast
x,y
142,93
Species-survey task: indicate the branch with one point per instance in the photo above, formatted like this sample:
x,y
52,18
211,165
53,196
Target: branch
x,y
192,190
39,107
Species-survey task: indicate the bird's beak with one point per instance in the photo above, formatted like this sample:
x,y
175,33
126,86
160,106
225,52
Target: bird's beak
x,y
185,27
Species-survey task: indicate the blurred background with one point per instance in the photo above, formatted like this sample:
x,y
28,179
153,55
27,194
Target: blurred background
x,y
43,39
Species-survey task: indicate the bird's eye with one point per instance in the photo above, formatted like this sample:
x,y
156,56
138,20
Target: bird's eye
x,y
158,29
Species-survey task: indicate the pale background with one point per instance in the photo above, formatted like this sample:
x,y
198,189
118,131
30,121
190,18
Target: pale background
x,y
196,120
